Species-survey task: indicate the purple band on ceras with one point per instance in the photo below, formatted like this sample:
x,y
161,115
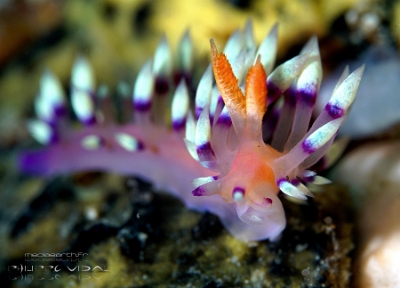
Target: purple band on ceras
x,y
295,182
140,146
141,106
205,152
308,147
334,111
280,180
89,121
198,111
224,119
179,124
308,178
201,191
307,95
60,110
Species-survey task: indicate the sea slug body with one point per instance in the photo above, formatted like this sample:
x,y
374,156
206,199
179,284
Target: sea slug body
x,y
221,159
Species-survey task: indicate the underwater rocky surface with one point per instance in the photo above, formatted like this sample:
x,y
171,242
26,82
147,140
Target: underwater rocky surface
x,y
146,239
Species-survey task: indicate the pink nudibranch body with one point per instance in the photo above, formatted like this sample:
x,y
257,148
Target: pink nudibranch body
x,y
236,154
250,177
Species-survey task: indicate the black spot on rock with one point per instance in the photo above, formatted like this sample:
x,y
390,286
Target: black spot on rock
x,y
281,269
57,189
95,234
186,259
208,227
139,234
213,284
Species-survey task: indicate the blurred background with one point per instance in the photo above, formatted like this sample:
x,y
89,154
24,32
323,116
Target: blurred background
x,y
119,36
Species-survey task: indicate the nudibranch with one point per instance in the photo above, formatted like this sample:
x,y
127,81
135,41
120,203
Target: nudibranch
x,y
248,139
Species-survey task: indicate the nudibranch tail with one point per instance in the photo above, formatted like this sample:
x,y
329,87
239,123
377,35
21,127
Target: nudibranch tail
x,y
247,140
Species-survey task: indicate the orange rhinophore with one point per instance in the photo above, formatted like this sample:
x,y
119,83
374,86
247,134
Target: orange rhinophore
x,y
256,91
244,111
228,86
